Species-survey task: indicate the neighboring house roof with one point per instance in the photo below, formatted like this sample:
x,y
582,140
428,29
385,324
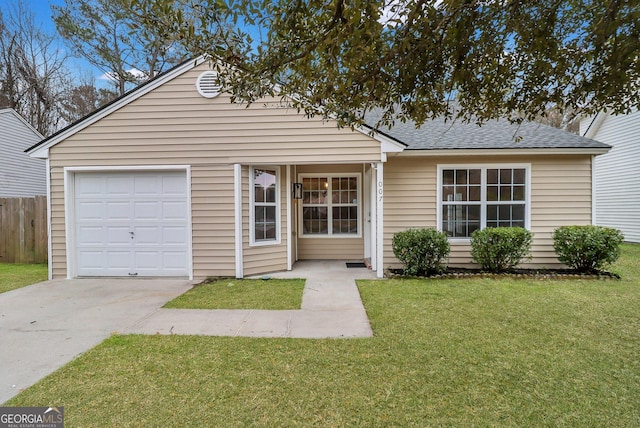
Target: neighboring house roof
x,y
441,134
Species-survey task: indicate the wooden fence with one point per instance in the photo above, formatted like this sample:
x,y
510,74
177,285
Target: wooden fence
x,y
23,230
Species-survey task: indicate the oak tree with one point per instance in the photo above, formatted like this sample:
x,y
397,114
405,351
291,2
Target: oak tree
x,y
412,58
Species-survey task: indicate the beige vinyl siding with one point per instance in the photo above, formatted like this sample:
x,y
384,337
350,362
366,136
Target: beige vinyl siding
x,y
174,125
264,258
213,220
328,248
560,195
57,258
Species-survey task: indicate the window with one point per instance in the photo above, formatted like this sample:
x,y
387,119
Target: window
x,y
265,206
330,205
478,197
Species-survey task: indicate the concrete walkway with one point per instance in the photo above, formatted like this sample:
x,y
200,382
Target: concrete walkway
x,y
44,326
331,308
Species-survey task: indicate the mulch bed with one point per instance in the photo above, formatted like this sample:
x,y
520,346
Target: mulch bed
x,y
452,273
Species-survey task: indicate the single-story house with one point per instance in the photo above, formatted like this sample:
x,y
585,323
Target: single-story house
x,y
20,175
173,179
617,176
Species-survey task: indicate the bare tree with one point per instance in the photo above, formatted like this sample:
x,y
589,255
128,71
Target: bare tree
x,y
84,98
33,77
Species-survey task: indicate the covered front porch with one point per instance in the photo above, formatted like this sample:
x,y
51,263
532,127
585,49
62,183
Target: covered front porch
x,y
298,212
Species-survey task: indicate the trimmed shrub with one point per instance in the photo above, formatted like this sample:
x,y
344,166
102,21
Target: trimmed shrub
x,y
421,251
498,249
587,248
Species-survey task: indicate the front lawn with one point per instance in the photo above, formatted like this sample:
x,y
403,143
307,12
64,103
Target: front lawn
x,y
14,276
468,352
230,293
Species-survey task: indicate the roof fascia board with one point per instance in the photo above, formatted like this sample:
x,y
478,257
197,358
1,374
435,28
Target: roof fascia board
x,y
43,150
595,124
505,152
387,144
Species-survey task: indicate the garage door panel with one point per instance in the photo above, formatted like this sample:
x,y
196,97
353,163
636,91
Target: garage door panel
x,y
148,260
118,235
118,210
147,186
90,235
90,186
173,260
118,263
174,210
146,210
174,235
172,185
148,235
118,185
91,259
118,259
132,223
90,210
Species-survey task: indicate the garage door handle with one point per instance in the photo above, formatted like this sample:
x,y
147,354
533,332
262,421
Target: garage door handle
x,y
133,274
132,234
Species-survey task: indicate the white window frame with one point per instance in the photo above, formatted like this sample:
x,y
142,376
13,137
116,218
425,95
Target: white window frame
x,y
252,206
330,234
483,167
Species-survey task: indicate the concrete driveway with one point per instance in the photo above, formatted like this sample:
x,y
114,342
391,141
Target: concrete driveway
x,y
46,325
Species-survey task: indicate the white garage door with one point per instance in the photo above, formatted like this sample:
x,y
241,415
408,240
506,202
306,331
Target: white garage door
x,y
131,224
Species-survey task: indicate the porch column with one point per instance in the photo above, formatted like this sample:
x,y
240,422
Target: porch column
x,y
373,188
237,191
289,219
379,220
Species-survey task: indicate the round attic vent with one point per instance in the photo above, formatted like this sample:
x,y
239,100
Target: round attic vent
x,y
207,84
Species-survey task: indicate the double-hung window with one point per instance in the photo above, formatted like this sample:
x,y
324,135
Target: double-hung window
x,y
265,205
476,197
331,205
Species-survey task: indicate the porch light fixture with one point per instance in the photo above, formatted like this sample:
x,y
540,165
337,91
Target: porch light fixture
x,y
297,190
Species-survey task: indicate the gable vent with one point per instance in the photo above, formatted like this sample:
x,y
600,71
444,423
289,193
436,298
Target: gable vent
x,y
207,84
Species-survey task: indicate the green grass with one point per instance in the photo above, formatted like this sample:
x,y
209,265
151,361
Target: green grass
x,y
242,294
14,276
472,352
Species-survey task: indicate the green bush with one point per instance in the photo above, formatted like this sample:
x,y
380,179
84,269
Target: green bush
x,y
587,248
498,249
422,251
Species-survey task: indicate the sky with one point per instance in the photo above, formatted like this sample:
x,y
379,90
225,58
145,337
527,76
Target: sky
x,y
42,12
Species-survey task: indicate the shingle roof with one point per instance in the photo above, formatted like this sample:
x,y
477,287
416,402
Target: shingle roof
x,y
439,134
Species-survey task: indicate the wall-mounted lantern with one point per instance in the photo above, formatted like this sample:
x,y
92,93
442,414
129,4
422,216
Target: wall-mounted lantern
x,y
297,190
